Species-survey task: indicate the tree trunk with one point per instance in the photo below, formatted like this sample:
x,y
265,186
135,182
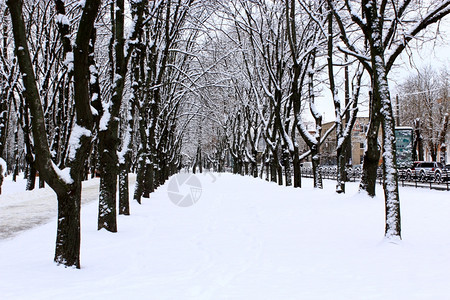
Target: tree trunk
x,y
441,142
16,155
277,169
279,173
390,175
273,169
93,164
149,179
433,150
108,189
31,177
340,184
124,203
139,187
418,141
1,176
200,161
267,167
108,135
382,97
68,192
297,169
254,164
370,163
372,153
68,237
347,147
287,167
317,172
41,182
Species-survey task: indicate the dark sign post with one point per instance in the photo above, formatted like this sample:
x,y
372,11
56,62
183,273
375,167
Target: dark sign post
x,y
404,146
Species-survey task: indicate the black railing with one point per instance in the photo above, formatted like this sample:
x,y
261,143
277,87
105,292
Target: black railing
x,y
431,179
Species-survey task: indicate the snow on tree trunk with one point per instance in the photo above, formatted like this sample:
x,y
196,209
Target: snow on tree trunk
x,y
381,95
254,164
317,170
108,128
418,141
277,168
390,175
273,169
340,178
3,169
109,123
16,155
68,235
340,181
139,187
124,203
287,167
108,189
442,143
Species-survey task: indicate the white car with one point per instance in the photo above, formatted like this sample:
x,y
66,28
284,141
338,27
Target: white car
x,y
430,170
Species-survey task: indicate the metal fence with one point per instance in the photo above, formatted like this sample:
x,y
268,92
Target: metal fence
x,y
405,178
330,172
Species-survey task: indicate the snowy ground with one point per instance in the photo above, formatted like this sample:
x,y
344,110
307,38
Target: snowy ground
x,y
244,239
22,210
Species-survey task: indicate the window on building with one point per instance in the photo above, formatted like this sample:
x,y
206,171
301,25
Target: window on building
x,y
361,145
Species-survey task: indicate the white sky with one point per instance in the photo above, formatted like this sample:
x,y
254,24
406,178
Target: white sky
x,y
435,53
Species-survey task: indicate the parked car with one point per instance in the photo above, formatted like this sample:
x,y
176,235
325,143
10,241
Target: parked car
x,y
411,172
430,170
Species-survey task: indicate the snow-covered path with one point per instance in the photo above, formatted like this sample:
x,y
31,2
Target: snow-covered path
x,y
244,239
24,210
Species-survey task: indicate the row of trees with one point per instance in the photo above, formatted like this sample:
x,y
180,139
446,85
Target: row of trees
x,y
99,89
424,105
280,55
147,86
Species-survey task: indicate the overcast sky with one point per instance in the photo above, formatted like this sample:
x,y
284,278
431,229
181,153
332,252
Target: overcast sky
x,y
435,53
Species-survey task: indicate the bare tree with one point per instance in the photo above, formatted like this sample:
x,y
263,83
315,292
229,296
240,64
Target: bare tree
x,y
424,105
66,182
343,130
381,23
8,82
304,47
109,123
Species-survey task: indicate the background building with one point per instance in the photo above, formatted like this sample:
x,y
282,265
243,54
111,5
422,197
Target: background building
x,y
358,141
